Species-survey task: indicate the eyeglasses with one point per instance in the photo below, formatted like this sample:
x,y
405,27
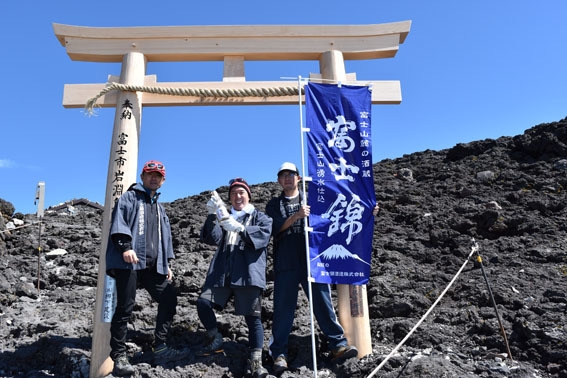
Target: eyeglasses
x,y
287,174
238,179
153,166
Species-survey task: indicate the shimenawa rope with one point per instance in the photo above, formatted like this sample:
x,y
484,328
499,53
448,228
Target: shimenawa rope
x,y
195,92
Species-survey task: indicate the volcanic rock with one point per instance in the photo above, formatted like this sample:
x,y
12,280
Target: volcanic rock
x,y
502,200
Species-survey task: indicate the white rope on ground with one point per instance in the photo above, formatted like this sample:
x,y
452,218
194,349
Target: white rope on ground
x,y
473,250
16,228
199,92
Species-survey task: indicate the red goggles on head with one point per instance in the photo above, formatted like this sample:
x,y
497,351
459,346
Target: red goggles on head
x,y
154,166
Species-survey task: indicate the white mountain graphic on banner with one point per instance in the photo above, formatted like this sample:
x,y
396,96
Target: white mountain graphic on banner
x,y
337,251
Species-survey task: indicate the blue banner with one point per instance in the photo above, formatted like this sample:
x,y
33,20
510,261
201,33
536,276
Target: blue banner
x,y
341,193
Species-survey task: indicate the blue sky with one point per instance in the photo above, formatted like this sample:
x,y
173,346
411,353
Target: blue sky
x,y
469,70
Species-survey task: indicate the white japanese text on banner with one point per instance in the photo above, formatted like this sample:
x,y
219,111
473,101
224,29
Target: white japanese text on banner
x,y
341,194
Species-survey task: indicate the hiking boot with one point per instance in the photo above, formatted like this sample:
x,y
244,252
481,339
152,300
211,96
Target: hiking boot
x,y
280,364
164,354
213,346
256,369
122,367
344,352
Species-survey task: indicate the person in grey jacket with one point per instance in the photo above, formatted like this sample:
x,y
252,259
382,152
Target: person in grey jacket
x,y
139,252
238,269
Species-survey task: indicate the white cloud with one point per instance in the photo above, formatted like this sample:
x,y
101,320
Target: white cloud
x,y
5,163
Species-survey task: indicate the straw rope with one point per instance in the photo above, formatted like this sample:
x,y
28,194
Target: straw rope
x,y
194,92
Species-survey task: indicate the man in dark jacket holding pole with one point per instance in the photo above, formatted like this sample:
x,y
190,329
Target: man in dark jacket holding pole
x,y
289,212
138,254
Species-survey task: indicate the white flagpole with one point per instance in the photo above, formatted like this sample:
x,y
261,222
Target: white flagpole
x,y
307,229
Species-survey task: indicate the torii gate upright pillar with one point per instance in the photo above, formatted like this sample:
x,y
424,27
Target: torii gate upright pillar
x,y
122,171
352,299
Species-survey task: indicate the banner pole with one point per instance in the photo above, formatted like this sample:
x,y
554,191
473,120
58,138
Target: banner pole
x,y
306,230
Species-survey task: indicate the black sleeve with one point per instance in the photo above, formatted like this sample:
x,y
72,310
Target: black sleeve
x,y
122,242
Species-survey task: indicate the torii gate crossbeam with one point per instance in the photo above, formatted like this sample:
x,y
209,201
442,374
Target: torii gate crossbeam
x,y
136,46
234,45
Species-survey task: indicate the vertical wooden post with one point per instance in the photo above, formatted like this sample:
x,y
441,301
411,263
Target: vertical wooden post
x,y
122,172
352,299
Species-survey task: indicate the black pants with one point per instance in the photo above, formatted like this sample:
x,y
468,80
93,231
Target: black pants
x,y
247,302
160,289
254,323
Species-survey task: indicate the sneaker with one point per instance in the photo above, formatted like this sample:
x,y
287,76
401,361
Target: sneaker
x,y
163,354
256,369
122,367
214,346
344,352
280,364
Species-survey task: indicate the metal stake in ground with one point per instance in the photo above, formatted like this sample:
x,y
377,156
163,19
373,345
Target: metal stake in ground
x,y
39,198
479,259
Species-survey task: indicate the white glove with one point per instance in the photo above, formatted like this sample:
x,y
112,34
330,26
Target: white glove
x,y
231,224
212,205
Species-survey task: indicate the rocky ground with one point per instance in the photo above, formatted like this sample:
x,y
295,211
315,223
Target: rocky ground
x,y
507,194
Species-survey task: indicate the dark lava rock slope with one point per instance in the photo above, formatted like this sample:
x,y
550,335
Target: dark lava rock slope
x,y
505,196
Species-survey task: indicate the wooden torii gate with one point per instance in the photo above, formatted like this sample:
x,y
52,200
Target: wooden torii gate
x,y
136,46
